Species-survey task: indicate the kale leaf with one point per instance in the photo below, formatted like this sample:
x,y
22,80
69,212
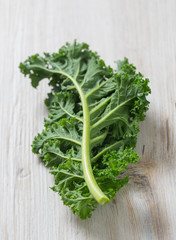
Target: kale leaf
x,y
92,126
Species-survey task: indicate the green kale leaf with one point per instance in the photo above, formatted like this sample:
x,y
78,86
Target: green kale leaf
x,y
92,126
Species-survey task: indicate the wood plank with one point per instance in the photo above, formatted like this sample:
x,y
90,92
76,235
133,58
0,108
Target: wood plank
x,y
145,32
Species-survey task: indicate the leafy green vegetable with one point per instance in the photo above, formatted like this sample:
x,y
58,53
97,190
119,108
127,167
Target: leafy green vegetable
x,y
92,126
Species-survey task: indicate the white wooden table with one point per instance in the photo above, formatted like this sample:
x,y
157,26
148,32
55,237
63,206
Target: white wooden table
x,y
145,32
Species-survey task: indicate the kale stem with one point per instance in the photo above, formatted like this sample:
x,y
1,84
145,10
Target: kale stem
x,y
94,189
86,161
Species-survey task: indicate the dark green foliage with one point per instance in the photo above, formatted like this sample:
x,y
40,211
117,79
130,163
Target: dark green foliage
x,y
116,103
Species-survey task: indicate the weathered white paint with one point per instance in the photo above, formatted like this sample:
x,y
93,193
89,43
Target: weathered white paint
x,y
145,32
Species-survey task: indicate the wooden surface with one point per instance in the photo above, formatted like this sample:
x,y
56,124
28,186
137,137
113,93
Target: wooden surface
x,y
145,32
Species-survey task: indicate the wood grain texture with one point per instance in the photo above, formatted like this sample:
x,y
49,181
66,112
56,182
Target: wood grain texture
x,y
145,32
